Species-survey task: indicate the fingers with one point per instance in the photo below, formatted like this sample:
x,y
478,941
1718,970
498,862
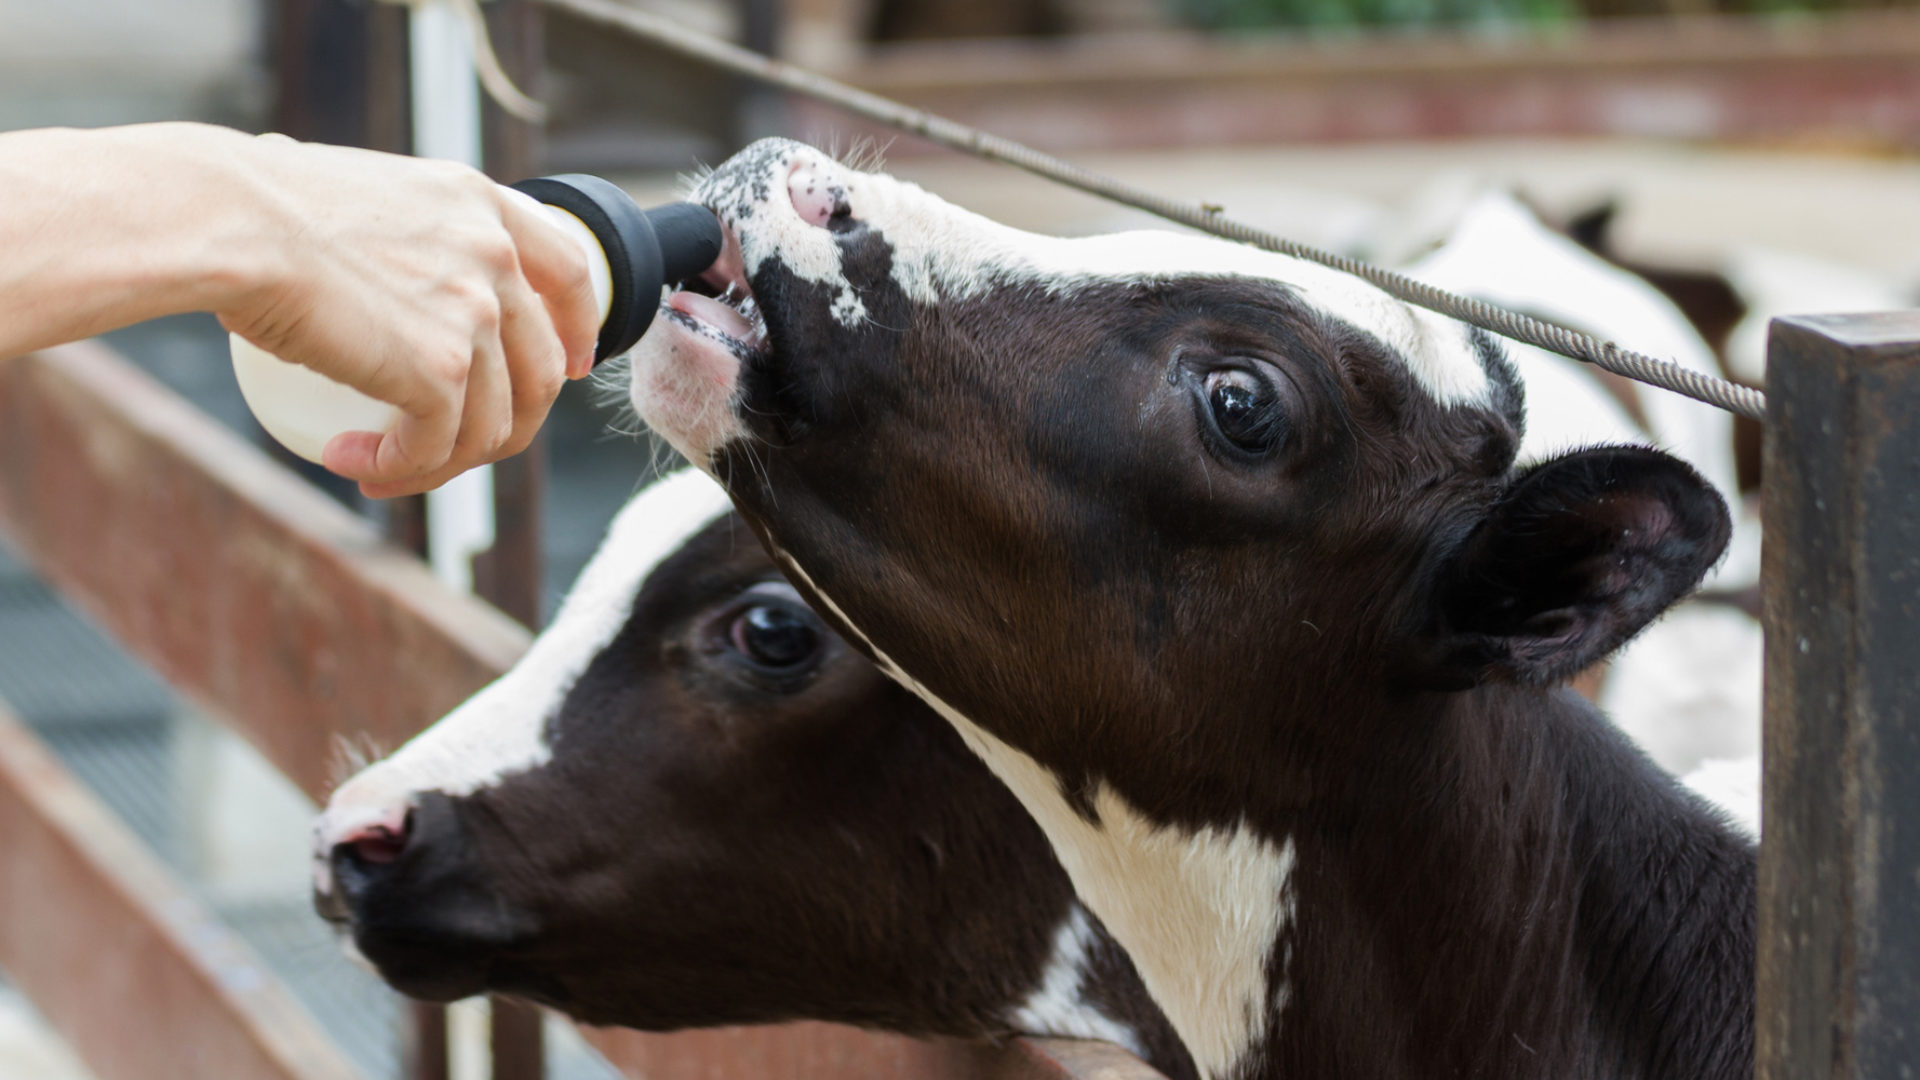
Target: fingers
x,y
464,307
417,455
514,379
431,390
557,270
536,363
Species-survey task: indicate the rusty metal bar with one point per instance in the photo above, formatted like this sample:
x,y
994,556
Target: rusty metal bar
x,y
1839,962
140,978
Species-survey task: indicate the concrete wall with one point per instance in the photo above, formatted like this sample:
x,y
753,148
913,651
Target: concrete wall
x,y
92,62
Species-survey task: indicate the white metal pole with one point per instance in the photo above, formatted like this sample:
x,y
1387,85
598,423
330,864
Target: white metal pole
x,y
446,124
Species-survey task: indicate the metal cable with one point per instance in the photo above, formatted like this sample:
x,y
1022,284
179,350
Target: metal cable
x,y
1640,367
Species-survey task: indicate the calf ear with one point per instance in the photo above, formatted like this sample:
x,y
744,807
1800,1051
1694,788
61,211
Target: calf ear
x,y
1578,555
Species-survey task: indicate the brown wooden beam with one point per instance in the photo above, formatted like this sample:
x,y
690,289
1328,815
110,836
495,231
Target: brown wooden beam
x,y
254,595
1839,956
141,979
292,620
1851,79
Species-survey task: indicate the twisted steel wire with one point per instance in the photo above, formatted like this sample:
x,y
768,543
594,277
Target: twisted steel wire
x,y
1640,367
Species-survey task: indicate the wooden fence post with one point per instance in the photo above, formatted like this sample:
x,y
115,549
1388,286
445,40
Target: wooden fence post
x,y
1839,949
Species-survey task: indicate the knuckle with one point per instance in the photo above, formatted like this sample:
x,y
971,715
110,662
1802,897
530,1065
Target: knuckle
x,y
448,368
497,253
483,312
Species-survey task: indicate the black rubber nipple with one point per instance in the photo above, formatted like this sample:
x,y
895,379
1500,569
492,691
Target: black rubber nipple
x,y
645,249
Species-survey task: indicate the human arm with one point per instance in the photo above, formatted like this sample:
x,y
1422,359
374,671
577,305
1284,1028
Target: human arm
x,y
420,283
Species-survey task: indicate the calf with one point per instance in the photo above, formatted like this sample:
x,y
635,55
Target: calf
x,y
1220,561
690,804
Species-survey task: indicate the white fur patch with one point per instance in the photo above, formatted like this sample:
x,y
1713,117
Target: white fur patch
x,y
1059,1007
1199,912
502,729
941,252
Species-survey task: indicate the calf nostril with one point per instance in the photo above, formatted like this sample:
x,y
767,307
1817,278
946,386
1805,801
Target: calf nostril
x,y
378,846
817,198
378,842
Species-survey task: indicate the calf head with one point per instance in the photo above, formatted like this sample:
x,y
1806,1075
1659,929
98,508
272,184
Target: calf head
x,y
691,804
1168,491
1193,543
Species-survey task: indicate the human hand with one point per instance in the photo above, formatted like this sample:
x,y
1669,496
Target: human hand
x,y
421,283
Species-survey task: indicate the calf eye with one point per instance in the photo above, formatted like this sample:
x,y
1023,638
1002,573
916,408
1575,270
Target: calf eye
x,y
1245,409
774,636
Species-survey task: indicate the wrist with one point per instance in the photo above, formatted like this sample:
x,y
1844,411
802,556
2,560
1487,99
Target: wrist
x,y
214,212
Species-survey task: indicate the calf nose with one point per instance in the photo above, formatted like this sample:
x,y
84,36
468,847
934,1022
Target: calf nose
x,y
819,194
364,823
377,840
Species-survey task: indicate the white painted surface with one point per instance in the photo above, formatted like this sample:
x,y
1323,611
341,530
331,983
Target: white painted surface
x,y
446,124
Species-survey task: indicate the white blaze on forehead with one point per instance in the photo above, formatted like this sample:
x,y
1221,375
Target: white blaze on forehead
x,y
502,730
1198,911
941,252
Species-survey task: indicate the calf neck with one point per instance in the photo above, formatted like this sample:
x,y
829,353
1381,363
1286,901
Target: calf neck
x,y
1221,562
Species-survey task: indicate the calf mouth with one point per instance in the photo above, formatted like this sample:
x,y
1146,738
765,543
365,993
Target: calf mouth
x,y
719,305
718,340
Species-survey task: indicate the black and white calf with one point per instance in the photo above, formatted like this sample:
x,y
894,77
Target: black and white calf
x,y
1220,561
690,804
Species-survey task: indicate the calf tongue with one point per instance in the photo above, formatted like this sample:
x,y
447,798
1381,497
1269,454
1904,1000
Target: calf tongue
x,y
714,313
